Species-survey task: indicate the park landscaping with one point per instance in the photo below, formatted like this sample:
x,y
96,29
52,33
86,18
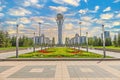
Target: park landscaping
x,y
108,47
60,52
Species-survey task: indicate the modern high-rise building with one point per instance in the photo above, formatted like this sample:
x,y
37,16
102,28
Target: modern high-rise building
x,y
60,20
107,34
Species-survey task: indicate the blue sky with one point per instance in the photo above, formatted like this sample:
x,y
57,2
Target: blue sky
x,y
92,14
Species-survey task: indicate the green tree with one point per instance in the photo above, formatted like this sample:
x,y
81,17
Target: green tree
x,y
53,41
99,42
66,41
119,39
115,41
90,41
4,39
108,42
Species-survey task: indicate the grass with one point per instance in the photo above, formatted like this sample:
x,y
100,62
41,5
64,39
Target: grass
x,y
60,53
108,47
11,48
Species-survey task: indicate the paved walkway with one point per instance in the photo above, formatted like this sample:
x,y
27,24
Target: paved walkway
x,y
60,70
108,53
13,53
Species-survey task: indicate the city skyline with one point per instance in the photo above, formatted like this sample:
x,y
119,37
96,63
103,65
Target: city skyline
x,y
27,13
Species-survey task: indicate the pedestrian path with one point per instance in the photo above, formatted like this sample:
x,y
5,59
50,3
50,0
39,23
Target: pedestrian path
x,y
60,70
13,53
108,53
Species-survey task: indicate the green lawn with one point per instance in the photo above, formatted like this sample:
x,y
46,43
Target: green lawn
x,y
12,48
60,52
108,47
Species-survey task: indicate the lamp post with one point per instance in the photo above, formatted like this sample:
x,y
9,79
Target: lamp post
x,y
34,42
103,36
80,35
87,41
40,35
39,31
17,41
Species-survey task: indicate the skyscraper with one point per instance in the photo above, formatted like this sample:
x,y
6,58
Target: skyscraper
x,y
107,34
60,20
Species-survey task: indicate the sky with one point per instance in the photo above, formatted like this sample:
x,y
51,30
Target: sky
x,y
92,14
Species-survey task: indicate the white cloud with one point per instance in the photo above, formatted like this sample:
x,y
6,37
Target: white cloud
x,y
11,31
116,1
69,26
19,12
95,10
83,11
118,15
107,9
58,9
24,20
106,16
30,2
37,19
1,7
85,1
11,22
86,18
116,23
1,14
70,2
33,3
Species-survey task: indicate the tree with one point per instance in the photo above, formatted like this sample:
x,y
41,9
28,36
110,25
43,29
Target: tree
x,y
119,39
115,41
95,42
108,42
66,41
4,39
53,41
99,42
90,41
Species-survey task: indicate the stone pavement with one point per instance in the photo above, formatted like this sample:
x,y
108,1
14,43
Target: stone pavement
x,y
108,53
60,70
13,53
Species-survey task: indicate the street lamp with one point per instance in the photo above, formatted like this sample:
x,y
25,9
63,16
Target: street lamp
x,y
17,41
87,41
39,31
80,35
34,42
103,36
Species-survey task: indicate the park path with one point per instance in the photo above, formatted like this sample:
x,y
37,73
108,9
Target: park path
x,y
108,53
13,53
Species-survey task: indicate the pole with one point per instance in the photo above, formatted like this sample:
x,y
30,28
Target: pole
x,y
40,35
87,41
80,36
104,50
34,42
17,42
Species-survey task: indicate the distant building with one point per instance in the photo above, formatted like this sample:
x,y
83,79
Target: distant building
x,y
107,34
42,39
77,39
83,39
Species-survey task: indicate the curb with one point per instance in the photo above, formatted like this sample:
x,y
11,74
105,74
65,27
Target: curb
x,y
60,59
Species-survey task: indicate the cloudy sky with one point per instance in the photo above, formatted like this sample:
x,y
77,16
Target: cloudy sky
x,y
92,14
